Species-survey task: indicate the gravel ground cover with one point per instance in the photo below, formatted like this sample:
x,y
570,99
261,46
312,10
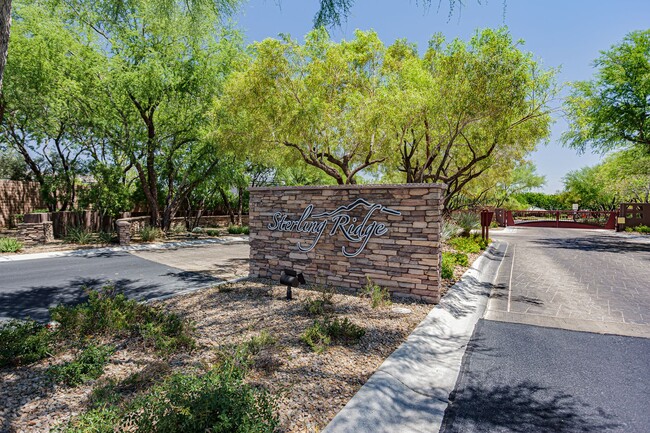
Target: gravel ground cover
x,y
310,387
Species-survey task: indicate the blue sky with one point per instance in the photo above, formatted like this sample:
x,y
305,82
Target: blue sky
x,y
560,33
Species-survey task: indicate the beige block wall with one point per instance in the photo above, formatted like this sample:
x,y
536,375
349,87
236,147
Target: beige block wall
x,y
18,198
406,259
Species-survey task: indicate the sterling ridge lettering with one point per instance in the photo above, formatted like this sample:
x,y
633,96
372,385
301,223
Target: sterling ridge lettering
x,y
358,230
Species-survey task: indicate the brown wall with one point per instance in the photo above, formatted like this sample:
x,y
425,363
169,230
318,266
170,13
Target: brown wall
x,y
18,198
635,214
405,259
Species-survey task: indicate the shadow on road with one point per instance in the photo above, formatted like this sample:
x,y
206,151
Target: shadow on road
x,y
521,408
33,302
607,244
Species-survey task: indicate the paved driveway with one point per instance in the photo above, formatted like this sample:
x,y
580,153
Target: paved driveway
x,y
587,280
29,287
529,369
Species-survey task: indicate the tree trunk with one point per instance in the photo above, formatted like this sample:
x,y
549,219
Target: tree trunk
x,y
5,25
240,205
226,202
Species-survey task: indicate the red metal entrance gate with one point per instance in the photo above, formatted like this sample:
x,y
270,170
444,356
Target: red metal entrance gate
x,y
566,219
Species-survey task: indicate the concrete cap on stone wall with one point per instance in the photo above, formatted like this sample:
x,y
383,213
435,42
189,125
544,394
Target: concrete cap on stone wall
x,y
122,223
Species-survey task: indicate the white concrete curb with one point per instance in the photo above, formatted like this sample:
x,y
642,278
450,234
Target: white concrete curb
x,y
138,247
410,391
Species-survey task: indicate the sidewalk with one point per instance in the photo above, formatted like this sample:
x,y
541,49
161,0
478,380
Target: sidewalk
x,y
410,391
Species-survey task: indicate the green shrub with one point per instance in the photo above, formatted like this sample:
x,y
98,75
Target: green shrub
x,y
465,245
482,243
78,235
467,221
88,365
320,305
23,342
460,259
449,230
217,401
379,297
101,420
642,229
344,331
321,334
234,230
197,229
316,337
10,245
238,230
212,232
108,313
178,229
259,342
106,237
629,229
447,267
149,234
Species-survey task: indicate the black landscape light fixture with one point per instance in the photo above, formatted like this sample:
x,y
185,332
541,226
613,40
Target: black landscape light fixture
x,y
291,278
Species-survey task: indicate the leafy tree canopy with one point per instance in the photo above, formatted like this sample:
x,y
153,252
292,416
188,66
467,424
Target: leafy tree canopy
x,y
613,109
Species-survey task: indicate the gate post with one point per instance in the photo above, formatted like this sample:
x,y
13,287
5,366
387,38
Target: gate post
x,y
557,219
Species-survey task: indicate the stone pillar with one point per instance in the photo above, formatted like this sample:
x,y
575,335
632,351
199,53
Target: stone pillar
x,y
124,232
35,233
48,232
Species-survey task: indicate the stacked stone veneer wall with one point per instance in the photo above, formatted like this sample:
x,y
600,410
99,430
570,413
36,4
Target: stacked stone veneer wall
x,y
35,233
405,259
18,198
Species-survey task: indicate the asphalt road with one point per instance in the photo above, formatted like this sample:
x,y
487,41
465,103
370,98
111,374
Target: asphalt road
x,y
564,345
524,378
28,288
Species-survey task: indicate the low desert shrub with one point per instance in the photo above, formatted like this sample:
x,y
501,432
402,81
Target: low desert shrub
x,y
238,230
465,245
24,342
212,232
259,342
447,266
10,245
449,230
482,243
78,235
379,297
344,331
315,336
106,237
216,401
322,304
150,234
321,334
87,365
112,314
467,221
460,259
